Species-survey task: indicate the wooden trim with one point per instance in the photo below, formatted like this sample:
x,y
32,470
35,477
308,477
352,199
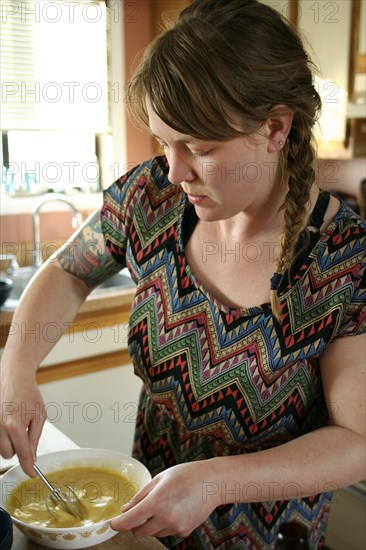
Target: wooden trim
x,y
294,12
4,332
354,40
360,65
86,365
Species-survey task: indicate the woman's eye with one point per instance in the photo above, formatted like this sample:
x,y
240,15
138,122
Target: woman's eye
x,y
199,155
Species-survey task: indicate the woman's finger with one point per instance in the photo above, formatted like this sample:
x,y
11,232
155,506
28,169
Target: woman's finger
x,y
24,451
34,434
164,533
133,518
150,528
16,432
6,448
138,497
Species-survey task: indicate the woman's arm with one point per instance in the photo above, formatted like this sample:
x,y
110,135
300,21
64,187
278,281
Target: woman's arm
x,y
54,296
178,500
328,458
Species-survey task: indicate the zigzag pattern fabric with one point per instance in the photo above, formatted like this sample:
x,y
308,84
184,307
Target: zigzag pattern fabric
x,y
220,380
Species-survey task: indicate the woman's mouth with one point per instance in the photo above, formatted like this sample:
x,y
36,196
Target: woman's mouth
x,y
196,199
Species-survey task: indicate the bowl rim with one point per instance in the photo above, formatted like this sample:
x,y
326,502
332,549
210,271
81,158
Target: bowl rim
x,y
63,530
7,281
9,524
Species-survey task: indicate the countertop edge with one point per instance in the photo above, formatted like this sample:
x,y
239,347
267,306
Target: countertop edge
x,y
101,301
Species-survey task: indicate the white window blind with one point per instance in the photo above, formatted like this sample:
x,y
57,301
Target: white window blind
x,y
54,66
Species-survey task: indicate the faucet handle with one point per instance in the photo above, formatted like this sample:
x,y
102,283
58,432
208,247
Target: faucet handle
x,y
77,220
11,263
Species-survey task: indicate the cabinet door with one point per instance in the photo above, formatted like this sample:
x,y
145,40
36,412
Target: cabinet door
x,y
326,26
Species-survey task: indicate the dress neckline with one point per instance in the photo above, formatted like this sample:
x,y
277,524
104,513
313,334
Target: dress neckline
x,y
188,220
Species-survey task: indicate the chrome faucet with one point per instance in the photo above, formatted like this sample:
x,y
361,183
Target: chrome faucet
x,y
50,197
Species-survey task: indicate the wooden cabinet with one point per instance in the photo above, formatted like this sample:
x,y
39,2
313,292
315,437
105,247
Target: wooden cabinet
x,y
356,125
334,37
170,8
94,341
326,28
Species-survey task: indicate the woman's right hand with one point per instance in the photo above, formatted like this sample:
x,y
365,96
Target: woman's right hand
x,y
22,419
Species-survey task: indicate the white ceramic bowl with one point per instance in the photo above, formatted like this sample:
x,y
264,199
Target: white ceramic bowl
x,y
73,537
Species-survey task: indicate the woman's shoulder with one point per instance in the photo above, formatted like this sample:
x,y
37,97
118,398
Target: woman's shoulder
x,y
327,293
338,260
144,196
151,174
343,227
336,247
336,214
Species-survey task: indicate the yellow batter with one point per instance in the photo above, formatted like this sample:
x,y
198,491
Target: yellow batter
x,y
101,492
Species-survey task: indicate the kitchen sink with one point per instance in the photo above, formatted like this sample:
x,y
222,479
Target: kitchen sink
x,y
121,279
22,276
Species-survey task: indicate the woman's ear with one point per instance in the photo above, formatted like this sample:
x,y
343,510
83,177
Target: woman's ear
x,y
278,127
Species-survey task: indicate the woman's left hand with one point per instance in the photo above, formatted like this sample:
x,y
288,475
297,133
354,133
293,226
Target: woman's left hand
x,y
175,502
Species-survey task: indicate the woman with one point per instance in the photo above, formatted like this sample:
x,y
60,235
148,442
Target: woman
x,y
248,281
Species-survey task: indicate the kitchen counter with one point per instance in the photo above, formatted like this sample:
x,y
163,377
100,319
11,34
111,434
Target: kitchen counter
x,y
106,311
53,439
122,541
97,301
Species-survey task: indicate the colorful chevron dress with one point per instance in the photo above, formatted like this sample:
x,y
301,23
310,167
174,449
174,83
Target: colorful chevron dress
x,y
220,380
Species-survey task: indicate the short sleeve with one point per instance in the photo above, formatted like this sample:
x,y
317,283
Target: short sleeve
x,y
129,205
117,213
327,299
347,254
354,320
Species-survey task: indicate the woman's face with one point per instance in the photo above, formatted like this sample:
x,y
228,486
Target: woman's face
x,y
221,178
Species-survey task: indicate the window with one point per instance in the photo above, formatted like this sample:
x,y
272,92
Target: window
x,y
54,94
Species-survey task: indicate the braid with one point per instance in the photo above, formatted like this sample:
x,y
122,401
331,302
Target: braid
x,y
300,163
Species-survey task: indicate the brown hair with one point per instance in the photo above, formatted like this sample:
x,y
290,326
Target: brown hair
x,y
225,61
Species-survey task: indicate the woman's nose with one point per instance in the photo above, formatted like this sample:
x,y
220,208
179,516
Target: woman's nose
x,y
179,170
